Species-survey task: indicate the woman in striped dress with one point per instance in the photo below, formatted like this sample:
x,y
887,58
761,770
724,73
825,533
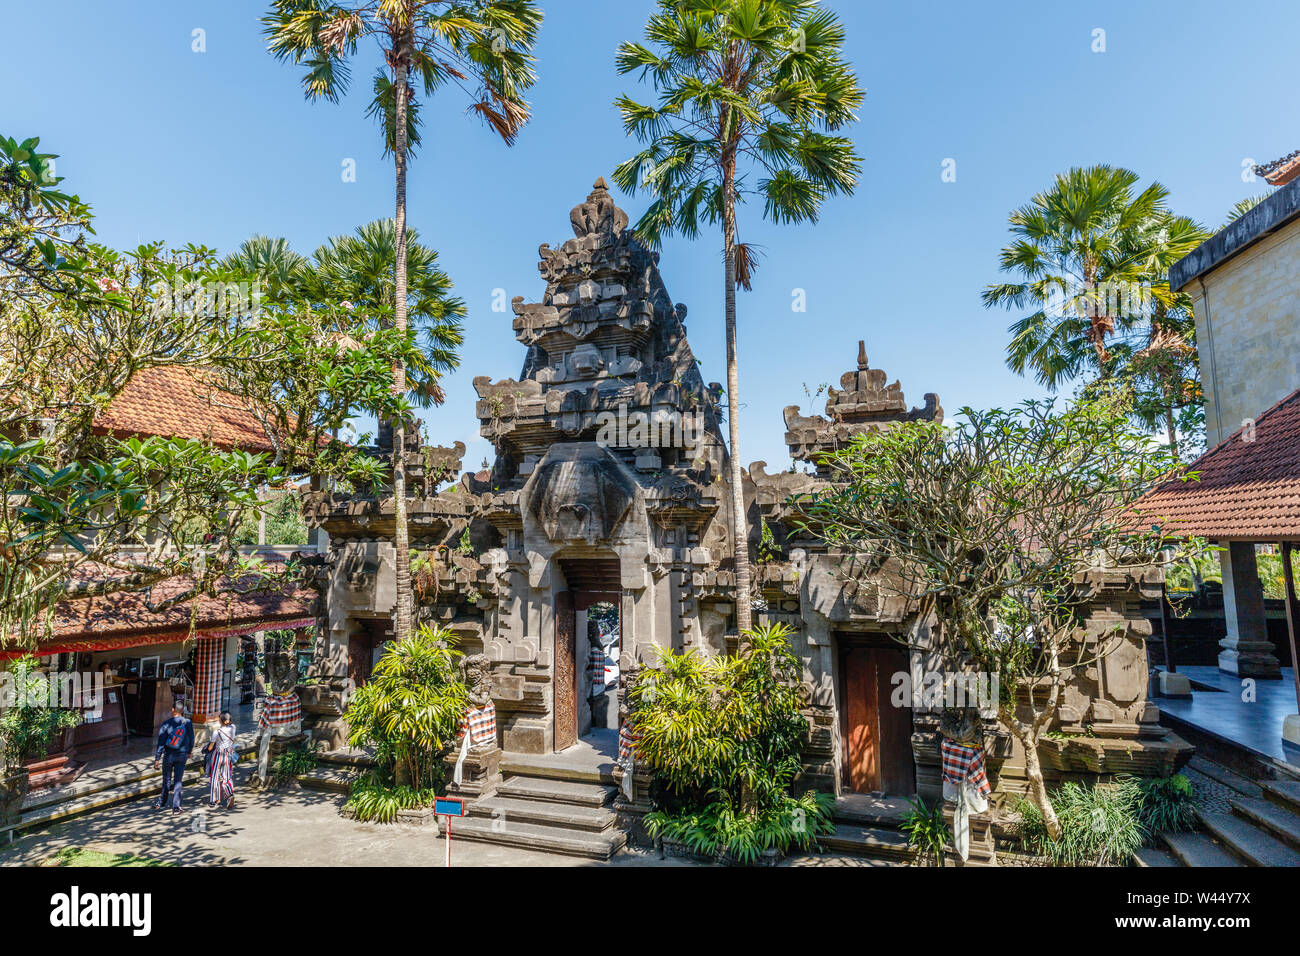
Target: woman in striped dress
x,y
221,787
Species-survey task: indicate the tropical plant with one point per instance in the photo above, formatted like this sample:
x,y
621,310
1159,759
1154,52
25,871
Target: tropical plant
x,y
989,524
42,229
746,88
1165,804
292,763
29,724
358,268
1243,206
487,42
411,709
927,831
723,737
371,799
1099,826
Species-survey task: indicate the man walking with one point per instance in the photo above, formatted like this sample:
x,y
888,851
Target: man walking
x,y
175,741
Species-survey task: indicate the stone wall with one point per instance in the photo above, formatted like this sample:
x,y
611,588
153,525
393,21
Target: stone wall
x,y
1248,331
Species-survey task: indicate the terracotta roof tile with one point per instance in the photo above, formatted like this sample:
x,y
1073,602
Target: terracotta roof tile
x,y
125,612
1280,171
1249,486
174,402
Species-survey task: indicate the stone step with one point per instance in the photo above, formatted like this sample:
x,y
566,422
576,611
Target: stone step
x,y
548,768
1154,856
544,839
1267,815
1247,841
569,815
357,759
875,842
1285,793
557,791
331,779
1197,849
101,799
1229,778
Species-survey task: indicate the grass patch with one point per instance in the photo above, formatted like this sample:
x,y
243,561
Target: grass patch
x,y
83,856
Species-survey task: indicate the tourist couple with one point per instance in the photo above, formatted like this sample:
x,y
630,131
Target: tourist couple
x,y
176,740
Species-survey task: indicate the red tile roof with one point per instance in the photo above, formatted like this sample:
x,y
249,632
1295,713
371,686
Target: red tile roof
x,y
1280,171
124,617
1249,487
174,402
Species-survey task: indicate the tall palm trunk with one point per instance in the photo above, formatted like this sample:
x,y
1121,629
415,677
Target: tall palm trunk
x,y
739,526
1171,429
401,541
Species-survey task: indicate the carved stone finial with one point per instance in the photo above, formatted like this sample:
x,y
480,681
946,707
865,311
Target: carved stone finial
x,y
598,214
862,355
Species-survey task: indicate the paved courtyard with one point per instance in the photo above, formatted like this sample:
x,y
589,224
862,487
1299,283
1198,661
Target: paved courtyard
x,y
290,828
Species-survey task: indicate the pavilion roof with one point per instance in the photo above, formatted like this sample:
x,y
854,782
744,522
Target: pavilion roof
x,y
1248,487
175,402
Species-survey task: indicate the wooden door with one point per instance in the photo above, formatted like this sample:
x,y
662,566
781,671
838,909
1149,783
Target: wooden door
x,y
877,736
566,671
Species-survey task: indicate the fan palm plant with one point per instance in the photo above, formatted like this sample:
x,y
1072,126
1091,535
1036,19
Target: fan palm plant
x,y
358,268
750,93
1093,261
482,46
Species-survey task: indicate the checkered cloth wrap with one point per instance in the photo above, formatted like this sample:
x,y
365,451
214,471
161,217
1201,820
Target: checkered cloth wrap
x,y
961,763
209,656
596,668
279,711
627,741
482,724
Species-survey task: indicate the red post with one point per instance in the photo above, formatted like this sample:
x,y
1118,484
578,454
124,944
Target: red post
x,y
448,841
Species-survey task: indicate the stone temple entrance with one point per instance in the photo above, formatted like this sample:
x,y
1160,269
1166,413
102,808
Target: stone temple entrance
x,y
588,640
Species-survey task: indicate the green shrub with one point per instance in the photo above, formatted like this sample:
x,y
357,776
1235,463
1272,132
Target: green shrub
x,y
371,799
927,831
293,762
723,737
744,835
1100,825
1165,804
411,710
29,727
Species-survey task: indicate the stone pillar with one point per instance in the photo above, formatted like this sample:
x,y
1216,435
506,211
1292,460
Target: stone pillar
x,y
1247,651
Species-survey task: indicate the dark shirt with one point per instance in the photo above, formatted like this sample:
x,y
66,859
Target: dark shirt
x,y
175,737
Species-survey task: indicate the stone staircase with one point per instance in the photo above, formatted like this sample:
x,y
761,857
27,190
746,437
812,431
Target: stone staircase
x,y
1243,822
550,807
106,787
868,827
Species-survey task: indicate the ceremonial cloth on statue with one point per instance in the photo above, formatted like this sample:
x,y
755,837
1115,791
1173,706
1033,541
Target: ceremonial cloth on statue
x,y
481,723
279,711
962,764
627,741
596,669
966,785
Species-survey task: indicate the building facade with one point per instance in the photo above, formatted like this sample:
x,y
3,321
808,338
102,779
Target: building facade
x,y
602,531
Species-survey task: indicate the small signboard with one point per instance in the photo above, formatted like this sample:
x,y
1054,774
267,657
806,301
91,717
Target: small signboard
x,y
449,807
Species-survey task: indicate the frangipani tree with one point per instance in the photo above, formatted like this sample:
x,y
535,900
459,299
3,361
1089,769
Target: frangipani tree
x,y
750,95
482,46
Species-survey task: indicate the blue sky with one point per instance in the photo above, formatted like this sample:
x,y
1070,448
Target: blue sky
x,y
211,147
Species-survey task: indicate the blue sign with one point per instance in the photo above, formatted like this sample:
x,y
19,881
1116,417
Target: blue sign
x,y
449,807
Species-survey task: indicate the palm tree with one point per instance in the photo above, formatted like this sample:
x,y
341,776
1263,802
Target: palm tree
x,y
358,268
483,46
745,86
1093,260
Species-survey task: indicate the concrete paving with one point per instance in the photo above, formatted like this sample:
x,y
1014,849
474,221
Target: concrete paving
x,y
290,828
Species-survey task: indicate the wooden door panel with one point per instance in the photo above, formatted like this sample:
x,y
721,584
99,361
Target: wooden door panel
x,y
877,736
566,672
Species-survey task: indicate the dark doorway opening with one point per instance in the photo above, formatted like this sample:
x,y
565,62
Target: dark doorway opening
x,y
588,642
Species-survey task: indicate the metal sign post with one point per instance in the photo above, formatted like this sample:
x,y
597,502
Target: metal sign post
x,y
449,807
